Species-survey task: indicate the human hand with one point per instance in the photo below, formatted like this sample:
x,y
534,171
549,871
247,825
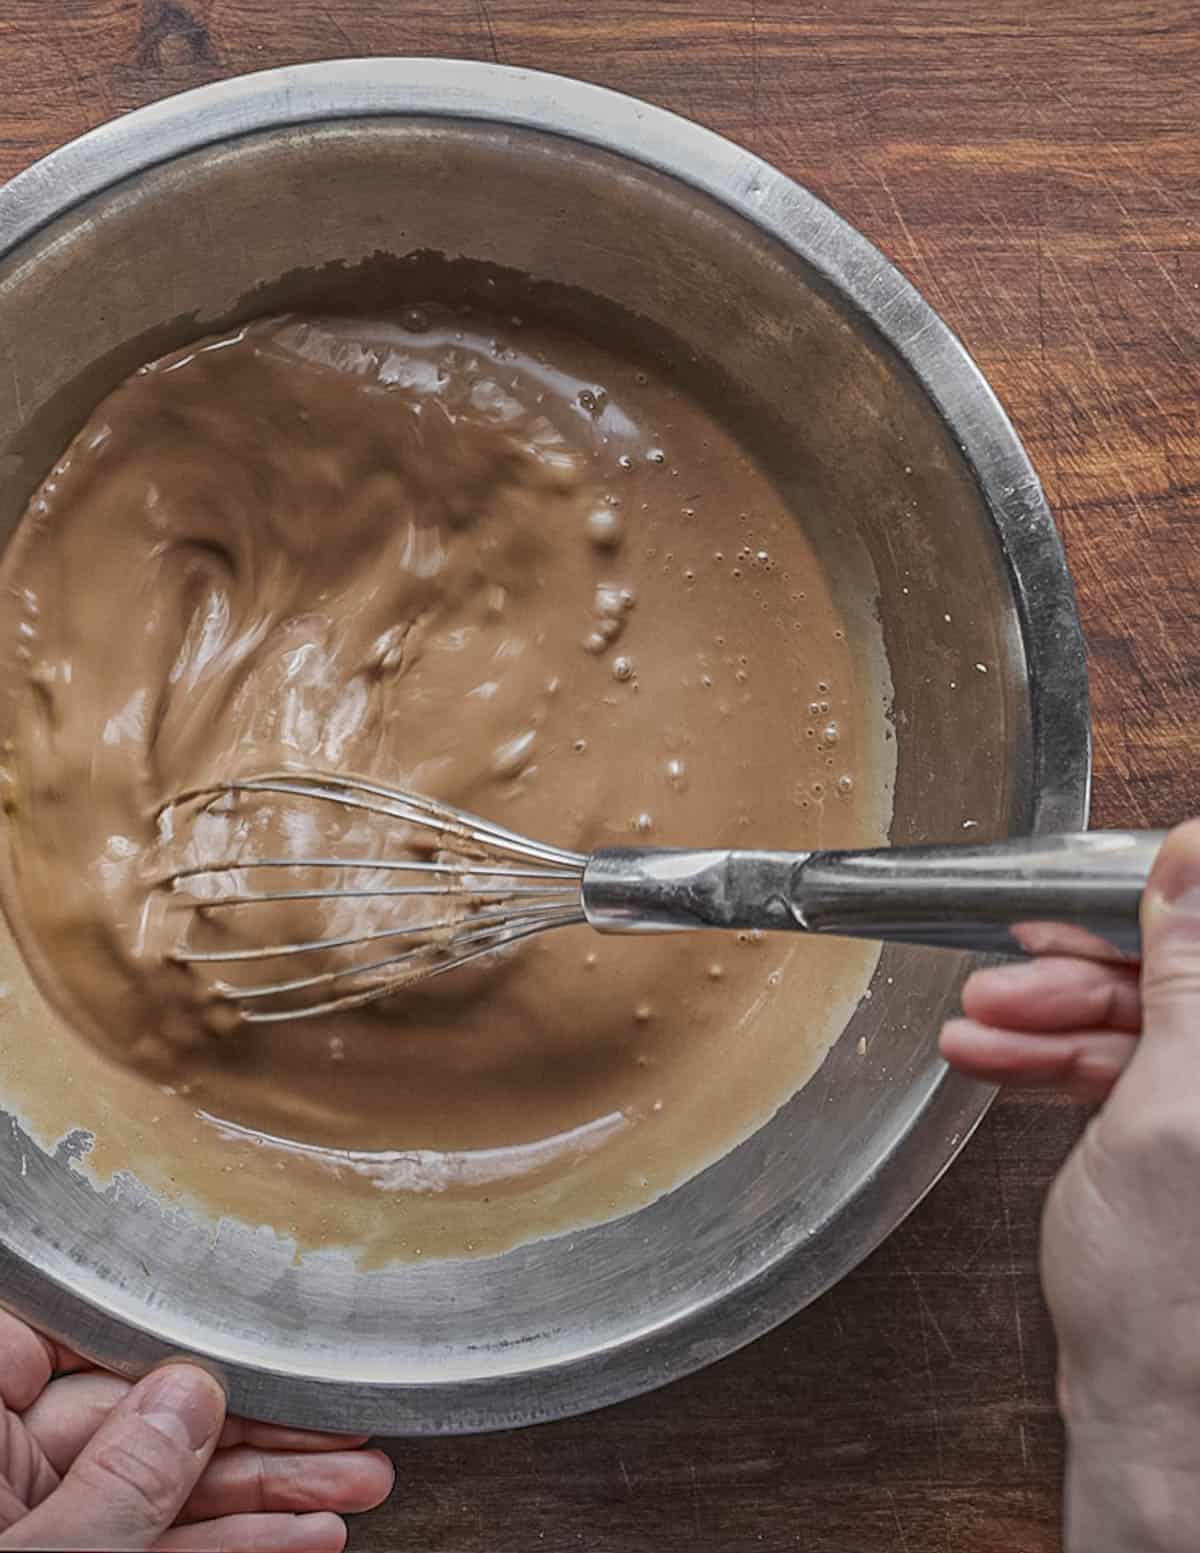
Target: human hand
x,y
1055,1022
88,1460
1120,1241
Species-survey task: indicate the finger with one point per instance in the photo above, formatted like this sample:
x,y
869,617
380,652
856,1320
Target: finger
x,y
1069,939
26,1363
70,1411
277,1437
132,1478
1082,1063
258,1534
1056,994
245,1479
68,1362
28,1359
13,1505
1171,963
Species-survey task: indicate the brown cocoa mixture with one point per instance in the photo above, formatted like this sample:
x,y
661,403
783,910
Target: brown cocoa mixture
x,y
482,562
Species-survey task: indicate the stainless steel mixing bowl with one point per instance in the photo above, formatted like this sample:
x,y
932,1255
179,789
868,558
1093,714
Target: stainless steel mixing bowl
x,y
255,194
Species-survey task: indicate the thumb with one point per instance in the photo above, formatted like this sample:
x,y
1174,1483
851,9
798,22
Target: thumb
x,y
1171,949
130,1481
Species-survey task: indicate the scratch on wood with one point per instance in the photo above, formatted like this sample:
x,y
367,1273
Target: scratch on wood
x,y
1014,1282
969,1262
491,31
755,102
922,1316
331,17
899,1523
918,258
20,36
1139,236
16,385
927,1312
65,55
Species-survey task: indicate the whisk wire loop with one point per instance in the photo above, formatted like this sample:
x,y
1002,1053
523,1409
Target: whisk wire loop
x,y
512,888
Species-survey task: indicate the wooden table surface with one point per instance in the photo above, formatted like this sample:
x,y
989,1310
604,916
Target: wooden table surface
x,y
1035,169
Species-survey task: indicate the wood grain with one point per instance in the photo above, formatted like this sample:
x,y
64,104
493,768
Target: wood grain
x,y
1036,171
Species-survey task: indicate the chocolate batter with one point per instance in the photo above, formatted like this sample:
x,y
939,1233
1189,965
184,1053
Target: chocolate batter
x,y
474,560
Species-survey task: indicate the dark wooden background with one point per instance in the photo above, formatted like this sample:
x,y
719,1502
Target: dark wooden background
x,y
1035,169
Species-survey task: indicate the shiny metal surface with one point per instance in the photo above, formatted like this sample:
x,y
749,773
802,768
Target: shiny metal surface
x,y
983,898
250,195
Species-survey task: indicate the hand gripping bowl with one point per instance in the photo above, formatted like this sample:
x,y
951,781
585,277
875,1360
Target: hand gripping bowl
x,y
265,193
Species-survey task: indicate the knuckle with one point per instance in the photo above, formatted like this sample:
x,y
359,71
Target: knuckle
x,y
1109,997
290,1484
1174,974
138,1475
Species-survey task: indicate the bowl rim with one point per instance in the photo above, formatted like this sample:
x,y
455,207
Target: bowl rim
x,y
743,183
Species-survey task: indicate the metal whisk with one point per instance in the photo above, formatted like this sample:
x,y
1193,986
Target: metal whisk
x,y
481,888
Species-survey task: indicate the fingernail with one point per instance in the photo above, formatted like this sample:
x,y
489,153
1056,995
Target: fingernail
x,y
1185,897
1177,892
185,1403
1175,881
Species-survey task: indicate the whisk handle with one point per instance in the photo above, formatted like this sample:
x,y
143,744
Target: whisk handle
x,y
1079,894
1076,894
